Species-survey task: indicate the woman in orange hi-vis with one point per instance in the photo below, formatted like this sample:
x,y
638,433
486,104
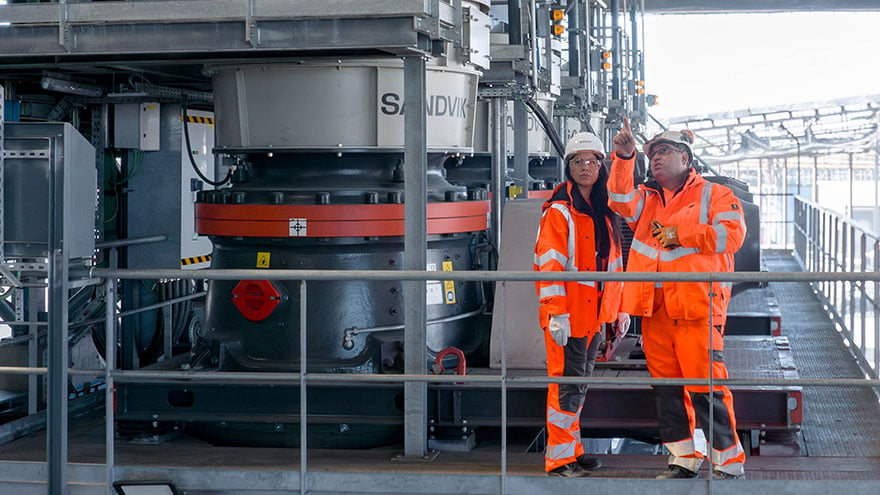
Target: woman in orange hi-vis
x,y
578,232
681,223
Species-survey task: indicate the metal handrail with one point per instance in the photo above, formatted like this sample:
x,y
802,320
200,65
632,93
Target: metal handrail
x,y
503,380
825,239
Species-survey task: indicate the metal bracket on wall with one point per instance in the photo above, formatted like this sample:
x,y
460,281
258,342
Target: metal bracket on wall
x,y
27,266
63,26
251,34
495,92
8,275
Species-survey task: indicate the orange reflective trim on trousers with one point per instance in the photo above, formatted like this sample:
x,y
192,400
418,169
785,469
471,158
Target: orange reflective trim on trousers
x,y
563,443
680,349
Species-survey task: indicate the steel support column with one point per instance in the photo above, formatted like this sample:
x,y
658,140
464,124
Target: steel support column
x,y
56,450
521,146
499,165
415,254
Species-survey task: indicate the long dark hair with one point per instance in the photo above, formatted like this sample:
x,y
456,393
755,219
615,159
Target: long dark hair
x,y
599,209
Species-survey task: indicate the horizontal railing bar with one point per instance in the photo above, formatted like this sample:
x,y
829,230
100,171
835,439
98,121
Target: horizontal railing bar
x,y
482,276
274,378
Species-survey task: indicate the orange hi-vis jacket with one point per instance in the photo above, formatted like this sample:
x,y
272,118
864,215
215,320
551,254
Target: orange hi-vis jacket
x,y
711,228
566,242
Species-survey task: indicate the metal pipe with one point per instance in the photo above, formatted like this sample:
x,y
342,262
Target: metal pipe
x,y
275,378
574,38
15,340
615,50
533,41
389,328
633,43
109,389
303,396
142,309
499,165
514,22
132,241
504,380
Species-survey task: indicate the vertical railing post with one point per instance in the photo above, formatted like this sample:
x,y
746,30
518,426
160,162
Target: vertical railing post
x,y
851,303
110,387
502,287
876,311
863,295
415,255
303,405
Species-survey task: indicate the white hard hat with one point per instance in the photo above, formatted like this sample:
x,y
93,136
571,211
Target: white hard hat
x,y
584,141
677,138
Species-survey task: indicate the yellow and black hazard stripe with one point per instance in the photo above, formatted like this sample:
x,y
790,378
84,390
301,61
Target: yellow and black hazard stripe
x,y
195,260
195,119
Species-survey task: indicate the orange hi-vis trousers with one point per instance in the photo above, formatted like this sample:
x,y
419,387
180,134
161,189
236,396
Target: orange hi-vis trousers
x,y
564,400
680,349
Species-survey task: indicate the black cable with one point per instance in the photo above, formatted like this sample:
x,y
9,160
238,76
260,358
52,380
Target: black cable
x,y
547,125
192,161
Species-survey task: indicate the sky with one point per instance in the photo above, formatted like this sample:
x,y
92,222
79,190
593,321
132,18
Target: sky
x,y
708,63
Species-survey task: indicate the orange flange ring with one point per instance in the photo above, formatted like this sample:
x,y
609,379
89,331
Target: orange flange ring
x,y
334,220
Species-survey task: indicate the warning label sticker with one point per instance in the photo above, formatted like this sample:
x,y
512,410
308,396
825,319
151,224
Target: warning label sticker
x,y
263,258
448,285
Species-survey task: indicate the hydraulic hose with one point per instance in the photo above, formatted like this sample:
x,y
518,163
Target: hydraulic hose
x,y
192,161
549,129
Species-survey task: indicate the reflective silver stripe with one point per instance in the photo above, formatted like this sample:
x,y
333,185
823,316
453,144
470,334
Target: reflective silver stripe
x,y
728,215
644,249
551,290
679,252
682,453
705,199
681,447
615,265
639,207
658,285
551,255
722,457
721,238
622,198
561,419
561,451
728,285
571,235
588,283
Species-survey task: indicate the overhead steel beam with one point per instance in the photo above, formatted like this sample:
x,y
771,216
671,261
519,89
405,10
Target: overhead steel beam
x,y
755,6
168,29
155,40
182,11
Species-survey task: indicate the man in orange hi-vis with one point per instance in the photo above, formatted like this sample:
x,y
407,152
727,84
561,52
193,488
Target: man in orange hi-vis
x,y
682,223
578,232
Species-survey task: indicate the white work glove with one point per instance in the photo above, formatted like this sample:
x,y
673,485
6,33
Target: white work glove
x,y
560,329
622,325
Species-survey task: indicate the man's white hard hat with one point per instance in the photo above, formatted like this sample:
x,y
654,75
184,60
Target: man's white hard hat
x,y
680,139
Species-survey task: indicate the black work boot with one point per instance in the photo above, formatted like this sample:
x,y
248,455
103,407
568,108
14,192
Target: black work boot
x,y
721,475
677,472
589,463
570,470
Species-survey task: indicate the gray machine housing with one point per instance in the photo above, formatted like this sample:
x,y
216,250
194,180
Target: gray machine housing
x,y
34,152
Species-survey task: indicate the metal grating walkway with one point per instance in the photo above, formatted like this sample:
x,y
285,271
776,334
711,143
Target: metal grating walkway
x,y
837,421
